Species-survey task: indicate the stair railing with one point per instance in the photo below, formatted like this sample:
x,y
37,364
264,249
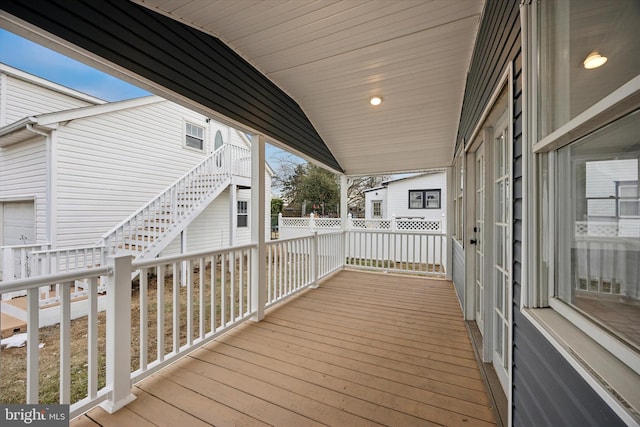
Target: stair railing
x,y
137,232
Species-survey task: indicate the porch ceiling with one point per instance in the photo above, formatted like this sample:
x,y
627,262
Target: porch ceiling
x,y
332,56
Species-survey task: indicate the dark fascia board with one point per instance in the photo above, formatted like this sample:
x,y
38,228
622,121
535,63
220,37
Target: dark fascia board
x,y
184,60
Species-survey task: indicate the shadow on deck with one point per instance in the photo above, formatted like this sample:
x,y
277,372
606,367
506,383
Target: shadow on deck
x,y
363,349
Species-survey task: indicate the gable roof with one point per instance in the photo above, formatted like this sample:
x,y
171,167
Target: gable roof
x,y
25,128
22,75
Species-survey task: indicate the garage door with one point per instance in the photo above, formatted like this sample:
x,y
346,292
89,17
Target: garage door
x,y
18,226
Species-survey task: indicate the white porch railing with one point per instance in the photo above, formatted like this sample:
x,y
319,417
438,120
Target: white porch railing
x,y
402,252
181,302
15,261
294,227
294,264
601,252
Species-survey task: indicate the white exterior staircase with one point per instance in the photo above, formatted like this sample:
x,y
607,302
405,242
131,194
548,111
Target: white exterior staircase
x,y
149,230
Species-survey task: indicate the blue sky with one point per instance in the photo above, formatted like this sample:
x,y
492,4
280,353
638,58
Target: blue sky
x,y
53,66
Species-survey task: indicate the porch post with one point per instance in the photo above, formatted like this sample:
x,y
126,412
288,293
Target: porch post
x,y
258,211
118,334
344,215
450,224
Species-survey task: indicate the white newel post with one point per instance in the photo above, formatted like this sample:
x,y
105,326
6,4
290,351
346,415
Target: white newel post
x,y
315,259
258,212
118,334
279,224
312,221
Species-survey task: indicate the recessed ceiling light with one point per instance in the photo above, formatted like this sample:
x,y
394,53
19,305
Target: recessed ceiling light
x,y
376,100
594,60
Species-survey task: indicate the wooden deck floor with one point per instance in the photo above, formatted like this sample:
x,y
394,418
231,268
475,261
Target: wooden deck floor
x,y
363,349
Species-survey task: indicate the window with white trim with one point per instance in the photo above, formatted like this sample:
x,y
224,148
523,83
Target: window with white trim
x,y
588,167
194,136
424,199
376,208
243,214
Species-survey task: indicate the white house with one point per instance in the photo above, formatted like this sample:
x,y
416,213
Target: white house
x,y
66,181
422,196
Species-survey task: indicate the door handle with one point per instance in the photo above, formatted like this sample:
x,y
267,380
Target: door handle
x,y
473,241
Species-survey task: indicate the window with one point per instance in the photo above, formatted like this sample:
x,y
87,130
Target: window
x,y
424,199
194,136
243,214
376,209
570,31
583,251
599,249
628,199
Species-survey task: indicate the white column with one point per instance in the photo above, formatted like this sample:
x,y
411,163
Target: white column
x,y
257,221
233,213
344,202
448,246
118,334
344,215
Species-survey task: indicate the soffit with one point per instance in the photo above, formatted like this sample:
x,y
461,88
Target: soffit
x,y
332,56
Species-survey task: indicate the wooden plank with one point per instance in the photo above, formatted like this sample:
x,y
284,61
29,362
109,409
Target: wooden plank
x,y
83,421
349,353
125,417
388,407
434,380
272,404
401,353
166,403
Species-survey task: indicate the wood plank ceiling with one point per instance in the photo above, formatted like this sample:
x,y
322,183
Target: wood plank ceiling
x,y
331,57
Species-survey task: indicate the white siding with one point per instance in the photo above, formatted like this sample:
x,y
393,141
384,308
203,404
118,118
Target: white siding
x,y
601,177
112,164
22,99
23,175
369,197
398,197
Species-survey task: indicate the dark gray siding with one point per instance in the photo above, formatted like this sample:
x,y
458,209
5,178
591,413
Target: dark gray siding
x,y
458,269
180,58
547,391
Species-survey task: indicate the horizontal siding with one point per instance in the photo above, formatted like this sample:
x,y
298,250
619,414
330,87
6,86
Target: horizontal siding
x,y
547,390
498,34
398,197
23,170
211,228
217,77
112,164
458,267
23,99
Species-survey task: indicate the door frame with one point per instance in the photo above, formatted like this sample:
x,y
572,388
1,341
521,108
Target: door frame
x,y
483,133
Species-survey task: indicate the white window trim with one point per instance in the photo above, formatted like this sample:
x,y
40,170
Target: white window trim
x,y
617,104
184,136
607,364
238,213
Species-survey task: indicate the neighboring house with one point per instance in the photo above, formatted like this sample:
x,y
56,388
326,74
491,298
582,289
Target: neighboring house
x,y
67,178
422,196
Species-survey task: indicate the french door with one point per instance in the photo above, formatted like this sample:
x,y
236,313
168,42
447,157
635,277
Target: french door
x,y
480,165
